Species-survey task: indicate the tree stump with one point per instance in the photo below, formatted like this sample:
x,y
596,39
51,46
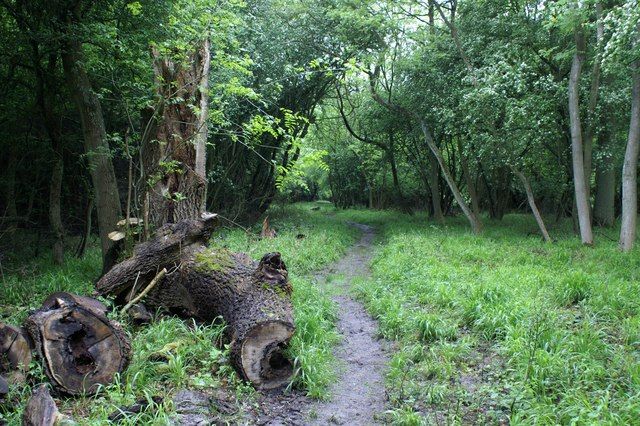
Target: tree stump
x,y
80,347
252,297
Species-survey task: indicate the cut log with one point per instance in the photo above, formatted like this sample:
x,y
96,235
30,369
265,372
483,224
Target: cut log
x,y
41,409
80,347
253,298
15,353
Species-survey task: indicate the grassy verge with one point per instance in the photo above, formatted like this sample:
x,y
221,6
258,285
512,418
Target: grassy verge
x,y
171,354
502,327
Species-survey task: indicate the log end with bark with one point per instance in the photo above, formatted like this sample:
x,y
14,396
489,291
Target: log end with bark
x,y
253,298
81,349
15,354
41,409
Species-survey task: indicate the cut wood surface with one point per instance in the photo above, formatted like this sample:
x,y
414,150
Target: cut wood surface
x,y
80,348
254,298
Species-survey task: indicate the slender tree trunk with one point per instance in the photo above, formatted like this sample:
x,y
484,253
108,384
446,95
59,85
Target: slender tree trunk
x,y
394,174
471,187
474,221
95,140
10,184
630,166
604,209
577,148
593,102
11,210
178,191
434,184
55,217
46,98
532,203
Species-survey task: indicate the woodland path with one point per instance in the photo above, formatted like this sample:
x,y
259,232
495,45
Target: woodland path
x,y
358,395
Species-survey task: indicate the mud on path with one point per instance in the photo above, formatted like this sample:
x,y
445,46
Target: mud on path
x,y
358,396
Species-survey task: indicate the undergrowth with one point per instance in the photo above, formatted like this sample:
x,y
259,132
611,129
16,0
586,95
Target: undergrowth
x,y
172,354
503,328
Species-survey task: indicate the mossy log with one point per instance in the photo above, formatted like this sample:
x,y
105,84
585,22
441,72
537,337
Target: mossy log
x,y
80,348
254,298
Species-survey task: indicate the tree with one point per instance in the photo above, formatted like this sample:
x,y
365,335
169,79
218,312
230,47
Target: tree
x,y
174,156
93,127
577,147
630,167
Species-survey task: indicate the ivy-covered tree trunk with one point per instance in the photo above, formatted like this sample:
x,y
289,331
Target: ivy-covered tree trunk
x,y
174,152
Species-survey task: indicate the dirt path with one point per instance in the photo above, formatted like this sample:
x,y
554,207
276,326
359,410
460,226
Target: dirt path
x,y
358,395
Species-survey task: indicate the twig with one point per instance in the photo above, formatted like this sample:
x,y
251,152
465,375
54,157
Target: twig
x,y
152,284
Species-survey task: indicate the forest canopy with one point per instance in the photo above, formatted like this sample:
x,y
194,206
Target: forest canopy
x,y
455,177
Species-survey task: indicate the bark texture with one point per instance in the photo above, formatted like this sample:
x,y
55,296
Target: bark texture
x,y
253,298
532,204
15,353
95,140
41,409
434,185
80,347
174,155
604,207
577,147
630,166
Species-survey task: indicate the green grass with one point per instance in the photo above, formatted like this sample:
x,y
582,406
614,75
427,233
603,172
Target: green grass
x,y
503,326
171,354
493,328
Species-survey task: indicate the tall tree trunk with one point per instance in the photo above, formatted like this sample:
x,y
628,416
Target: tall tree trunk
x,y
593,102
630,166
532,203
55,217
434,185
604,208
11,209
474,221
45,99
471,186
577,148
175,157
95,141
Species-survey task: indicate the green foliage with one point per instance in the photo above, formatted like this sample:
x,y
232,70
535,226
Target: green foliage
x,y
503,327
172,354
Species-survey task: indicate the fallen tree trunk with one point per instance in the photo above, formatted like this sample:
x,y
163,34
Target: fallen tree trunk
x,y
80,347
253,298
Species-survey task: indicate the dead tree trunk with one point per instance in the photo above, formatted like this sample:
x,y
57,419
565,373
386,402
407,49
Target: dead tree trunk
x,y
253,298
174,156
80,347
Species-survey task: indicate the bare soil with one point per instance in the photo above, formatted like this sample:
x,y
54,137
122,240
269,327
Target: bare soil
x,y
358,396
